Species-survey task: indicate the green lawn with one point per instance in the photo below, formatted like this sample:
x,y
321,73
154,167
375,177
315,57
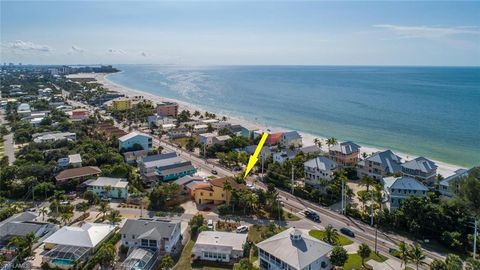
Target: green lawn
x,y
184,261
287,216
256,232
342,240
355,262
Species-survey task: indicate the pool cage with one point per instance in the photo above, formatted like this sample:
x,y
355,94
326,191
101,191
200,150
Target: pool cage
x,y
64,256
140,259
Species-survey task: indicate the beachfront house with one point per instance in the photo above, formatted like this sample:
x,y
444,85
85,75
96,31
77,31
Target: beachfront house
x,y
219,246
379,165
200,128
166,109
421,168
317,169
345,154
135,141
397,189
274,138
291,139
109,187
447,186
294,249
121,104
70,244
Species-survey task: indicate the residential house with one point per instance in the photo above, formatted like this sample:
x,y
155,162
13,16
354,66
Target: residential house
x,y
284,155
215,123
274,138
133,157
77,174
214,192
46,137
74,160
189,183
166,127
319,168
161,235
219,246
221,140
167,109
379,165
135,141
446,187
109,187
24,110
206,138
421,168
121,104
71,245
397,189
291,139
294,249
345,154
79,114
235,129
164,167
176,133
264,153
199,129
22,224
311,150
159,120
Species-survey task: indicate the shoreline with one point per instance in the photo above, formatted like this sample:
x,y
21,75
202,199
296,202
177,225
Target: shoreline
x,y
445,169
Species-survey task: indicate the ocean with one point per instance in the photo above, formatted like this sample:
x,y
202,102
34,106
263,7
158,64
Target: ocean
x,y
428,111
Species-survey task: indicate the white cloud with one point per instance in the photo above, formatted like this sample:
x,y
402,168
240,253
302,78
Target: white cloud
x,y
428,31
76,49
21,46
115,51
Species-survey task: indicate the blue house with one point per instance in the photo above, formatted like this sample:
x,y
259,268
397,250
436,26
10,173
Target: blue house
x,y
134,141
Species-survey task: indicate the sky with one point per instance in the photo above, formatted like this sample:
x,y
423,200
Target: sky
x,y
241,33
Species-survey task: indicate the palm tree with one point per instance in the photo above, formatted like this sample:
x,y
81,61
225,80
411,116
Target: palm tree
x,y
43,211
23,244
114,216
416,255
103,208
331,235
364,252
166,262
364,155
403,253
438,265
331,141
227,188
66,217
367,182
317,142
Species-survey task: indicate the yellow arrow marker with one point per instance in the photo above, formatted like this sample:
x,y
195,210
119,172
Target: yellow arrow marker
x,y
254,158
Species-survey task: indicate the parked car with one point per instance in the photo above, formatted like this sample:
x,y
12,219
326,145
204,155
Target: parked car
x,y
312,215
347,231
210,224
214,172
242,229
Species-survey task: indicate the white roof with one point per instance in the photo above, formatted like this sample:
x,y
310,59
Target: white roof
x,y
131,135
215,240
210,121
295,247
75,158
207,135
200,126
89,235
109,181
223,138
403,182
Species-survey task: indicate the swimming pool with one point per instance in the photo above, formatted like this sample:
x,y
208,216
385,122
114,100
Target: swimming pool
x,y
62,262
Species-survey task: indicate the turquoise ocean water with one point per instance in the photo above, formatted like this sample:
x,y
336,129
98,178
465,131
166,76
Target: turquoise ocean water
x,y
429,111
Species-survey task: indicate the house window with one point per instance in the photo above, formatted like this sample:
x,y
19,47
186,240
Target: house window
x,y
144,242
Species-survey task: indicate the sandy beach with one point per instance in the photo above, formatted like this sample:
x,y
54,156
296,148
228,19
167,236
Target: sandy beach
x,y
444,169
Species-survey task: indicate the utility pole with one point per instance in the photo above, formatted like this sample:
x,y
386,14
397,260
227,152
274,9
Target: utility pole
x,y
342,197
371,208
263,161
376,229
293,180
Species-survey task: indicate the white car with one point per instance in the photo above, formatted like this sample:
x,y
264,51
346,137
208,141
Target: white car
x,y
242,229
210,224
